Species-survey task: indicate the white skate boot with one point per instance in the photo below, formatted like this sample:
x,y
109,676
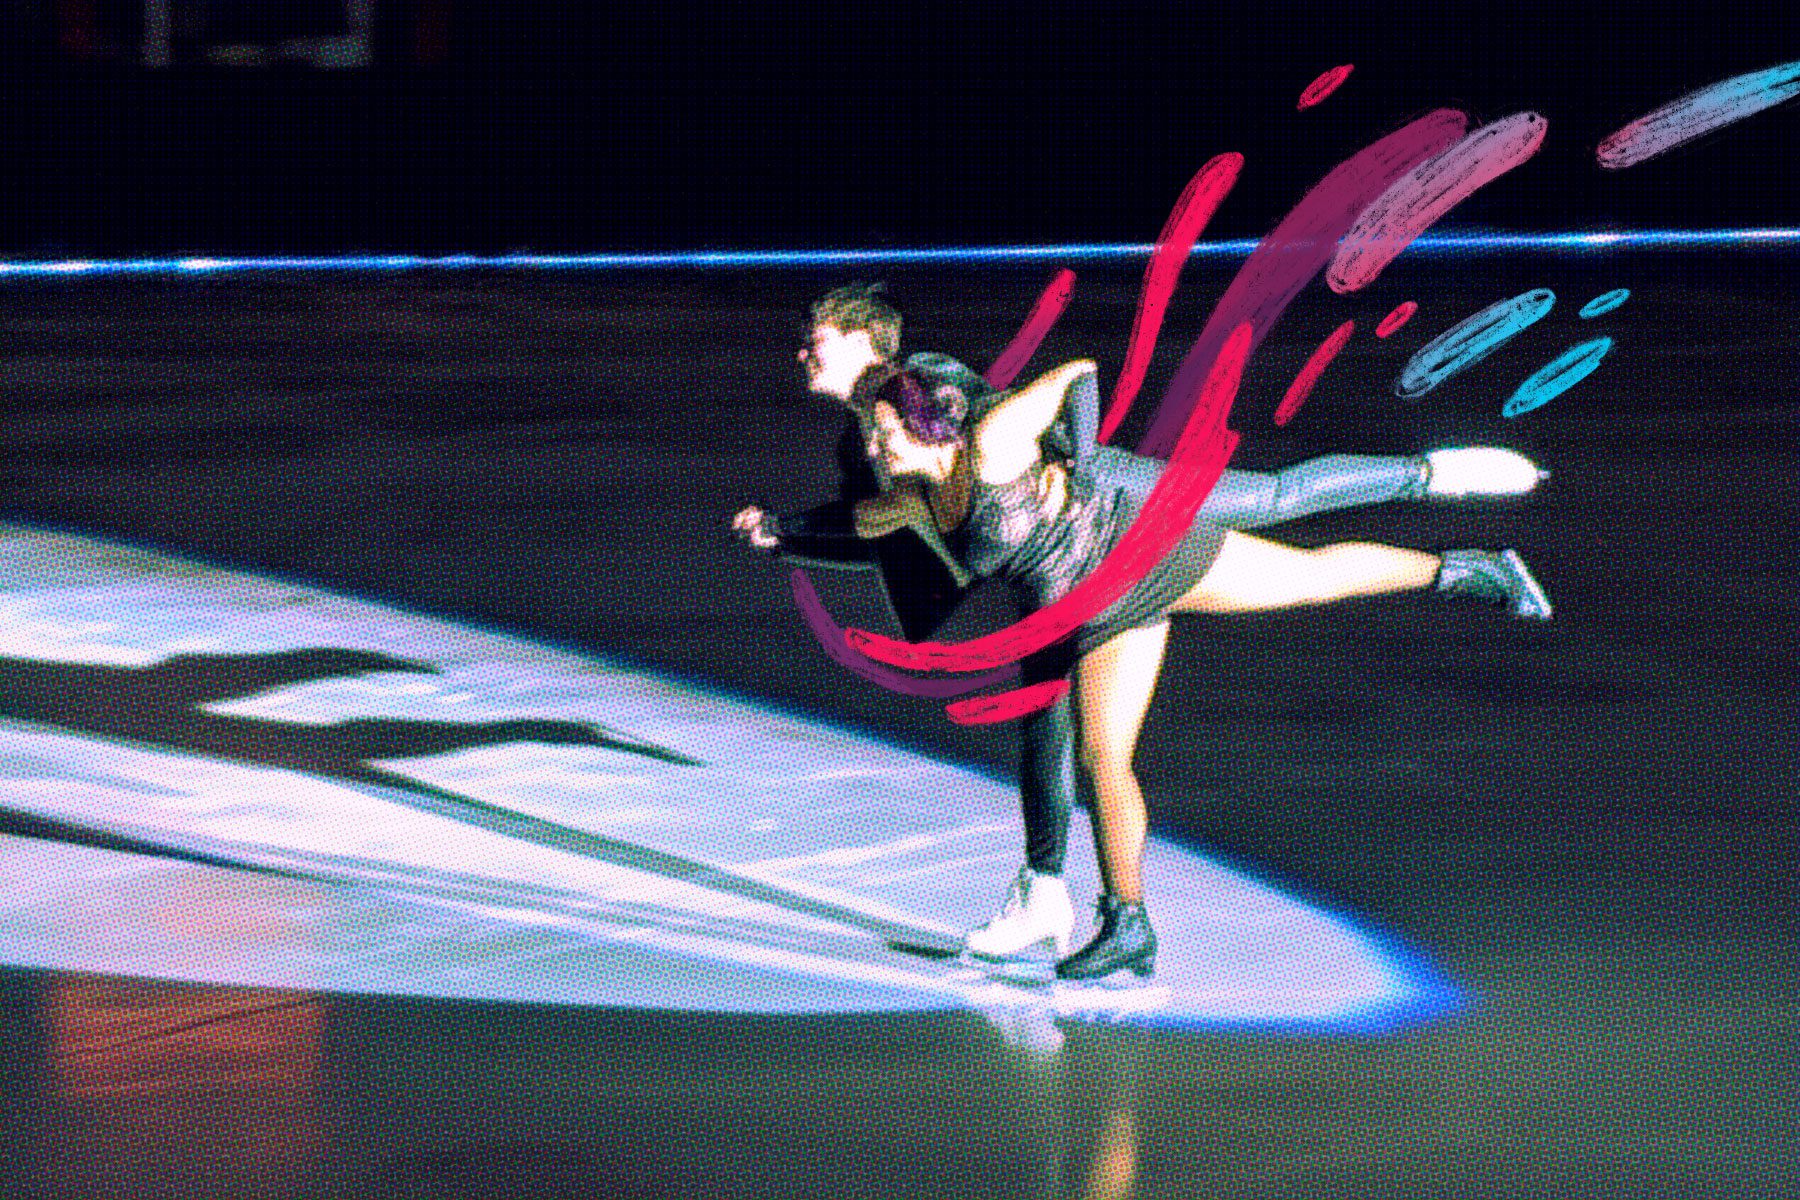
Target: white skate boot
x,y
1481,471
1037,909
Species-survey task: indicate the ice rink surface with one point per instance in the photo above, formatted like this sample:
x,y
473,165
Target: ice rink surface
x,y
563,830
407,780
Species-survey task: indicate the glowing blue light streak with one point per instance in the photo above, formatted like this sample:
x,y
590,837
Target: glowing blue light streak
x,y
1070,252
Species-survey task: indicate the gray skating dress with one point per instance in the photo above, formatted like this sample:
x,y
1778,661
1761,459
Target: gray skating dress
x,y
1005,537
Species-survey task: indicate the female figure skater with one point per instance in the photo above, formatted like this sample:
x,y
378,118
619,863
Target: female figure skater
x,y
1040,529
851,348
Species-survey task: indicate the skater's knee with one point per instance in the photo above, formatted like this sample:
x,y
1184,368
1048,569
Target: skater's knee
x,y
1102,763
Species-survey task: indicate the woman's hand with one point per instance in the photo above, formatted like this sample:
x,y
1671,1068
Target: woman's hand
x,y
752,524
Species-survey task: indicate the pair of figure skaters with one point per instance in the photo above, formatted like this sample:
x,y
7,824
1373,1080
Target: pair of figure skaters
x,y
947,482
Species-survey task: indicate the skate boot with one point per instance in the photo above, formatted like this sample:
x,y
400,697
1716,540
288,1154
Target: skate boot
x,y
1480,471
1037,909
1500,577
1125,941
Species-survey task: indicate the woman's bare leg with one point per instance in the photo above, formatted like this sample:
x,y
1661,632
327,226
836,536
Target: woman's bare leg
x,y
1254,573
1113,686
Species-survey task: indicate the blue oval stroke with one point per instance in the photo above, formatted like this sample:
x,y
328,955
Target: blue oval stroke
x,y
1557,376
1605,302
1469,341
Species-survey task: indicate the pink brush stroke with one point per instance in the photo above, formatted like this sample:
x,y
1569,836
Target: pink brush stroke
x,y
1315,366
1416,202
1044,314
831,637
1394,321
1008,706
1323,86
1174,245
1294,252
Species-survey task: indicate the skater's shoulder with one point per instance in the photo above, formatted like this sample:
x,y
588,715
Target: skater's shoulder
x,y
935,367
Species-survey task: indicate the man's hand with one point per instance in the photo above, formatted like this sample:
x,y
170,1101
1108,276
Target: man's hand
x,y
1053,489
902,506
753,524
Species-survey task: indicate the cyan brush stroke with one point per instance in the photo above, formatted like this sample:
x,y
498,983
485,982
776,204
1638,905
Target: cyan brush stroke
x,y
1604,303
1697,114
1557,376
1469,341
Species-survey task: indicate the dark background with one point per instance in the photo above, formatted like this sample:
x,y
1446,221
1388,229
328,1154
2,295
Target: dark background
x,y
488,127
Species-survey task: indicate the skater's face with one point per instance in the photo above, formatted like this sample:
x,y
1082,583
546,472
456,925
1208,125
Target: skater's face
x,y
834,360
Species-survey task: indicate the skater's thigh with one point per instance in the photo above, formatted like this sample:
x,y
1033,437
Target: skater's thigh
x,y
1253,573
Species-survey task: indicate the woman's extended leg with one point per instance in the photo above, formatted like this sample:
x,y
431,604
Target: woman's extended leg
x,y
1252,499
1249,499
1253,573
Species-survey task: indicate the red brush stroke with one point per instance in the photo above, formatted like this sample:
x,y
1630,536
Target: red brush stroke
x,y
1392,323
1323,86
1315,366
1200,456
831,637
1297,249
1008,706
1174,245
1043,315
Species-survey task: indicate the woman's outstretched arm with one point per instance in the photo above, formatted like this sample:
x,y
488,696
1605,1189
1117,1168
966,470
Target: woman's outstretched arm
x,y
1006,440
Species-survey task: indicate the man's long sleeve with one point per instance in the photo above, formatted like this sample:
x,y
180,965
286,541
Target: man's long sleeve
x,y
825,535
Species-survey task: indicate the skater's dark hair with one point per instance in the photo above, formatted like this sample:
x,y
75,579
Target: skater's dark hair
x,y
932,414
861,307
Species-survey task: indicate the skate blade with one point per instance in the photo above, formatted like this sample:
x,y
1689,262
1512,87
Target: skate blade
x,y
1539,604
1027,972
1106,996
1041,950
